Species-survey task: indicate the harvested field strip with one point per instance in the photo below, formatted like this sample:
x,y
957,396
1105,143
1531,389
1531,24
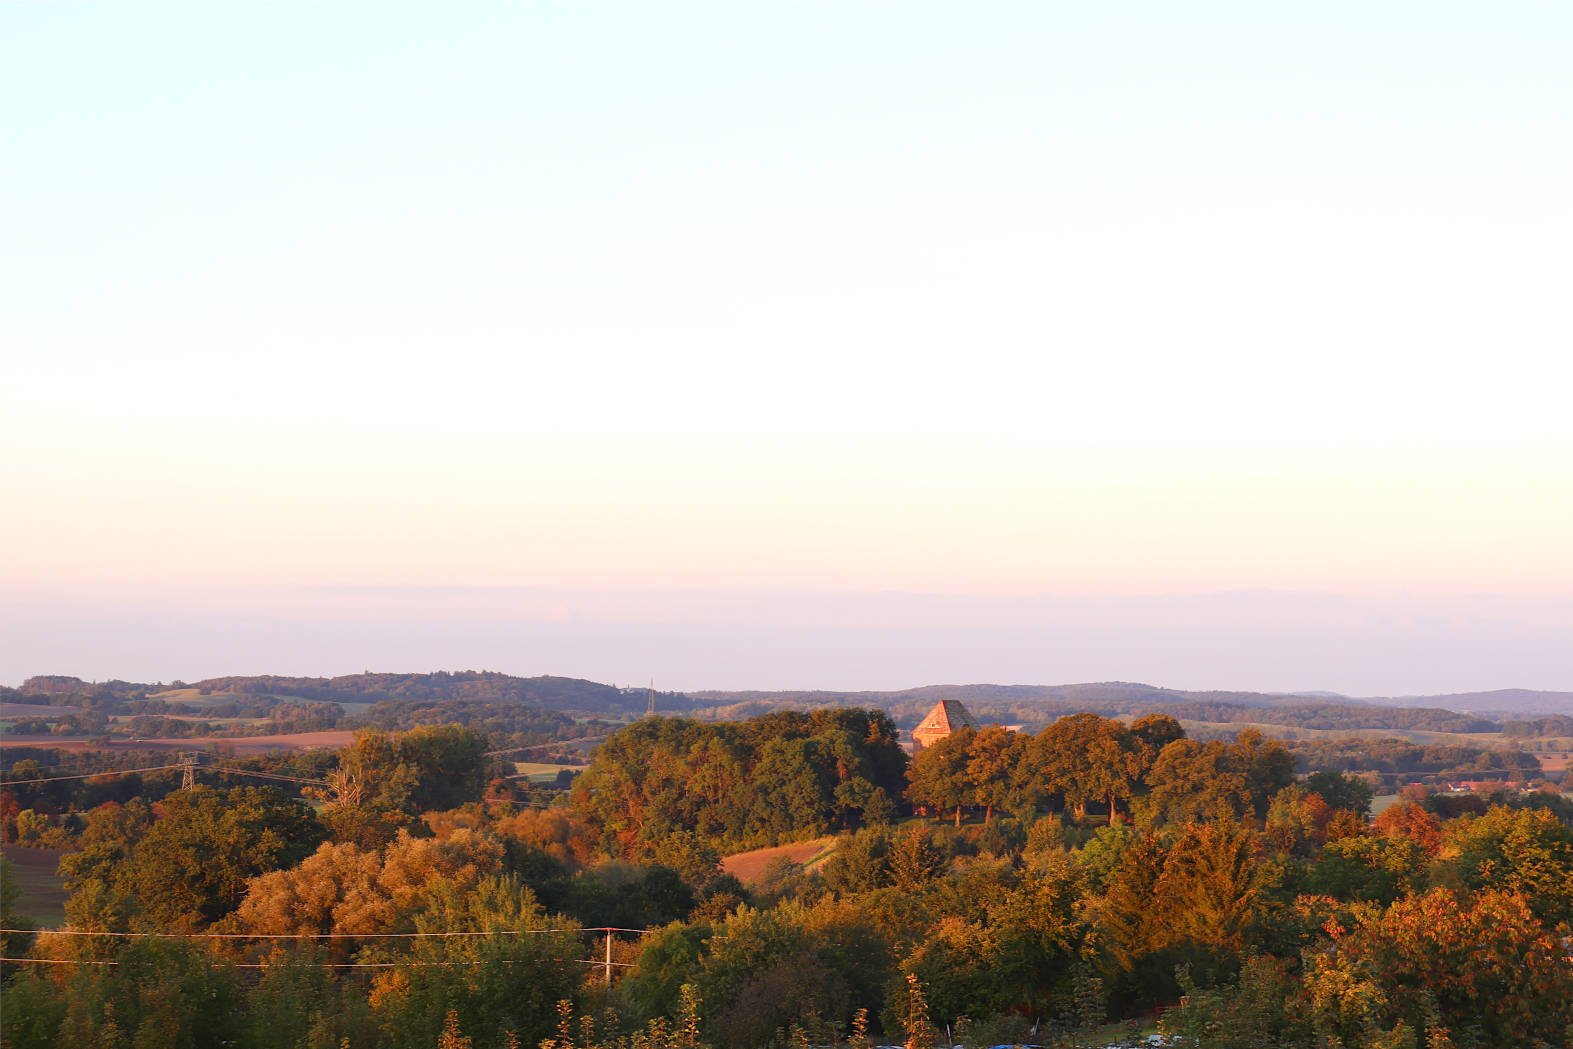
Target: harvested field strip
x,y
748,867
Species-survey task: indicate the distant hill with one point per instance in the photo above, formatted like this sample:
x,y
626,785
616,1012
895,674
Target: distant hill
x,y
1030,705
1091,692
546,692
1500,701
1037,704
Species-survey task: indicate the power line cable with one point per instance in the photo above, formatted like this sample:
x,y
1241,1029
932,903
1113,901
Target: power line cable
x,y
263,775
598,963
543,746
322,935
86,775
161,768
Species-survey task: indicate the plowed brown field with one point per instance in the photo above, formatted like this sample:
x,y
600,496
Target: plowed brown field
x,y
239,744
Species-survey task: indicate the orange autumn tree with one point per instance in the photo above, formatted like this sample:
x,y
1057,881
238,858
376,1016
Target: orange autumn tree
x,y
1408,820
1452,962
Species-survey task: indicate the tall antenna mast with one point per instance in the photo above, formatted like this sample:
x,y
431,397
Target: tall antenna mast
x,y
650,709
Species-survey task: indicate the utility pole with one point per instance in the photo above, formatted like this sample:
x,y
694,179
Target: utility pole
x,y
608,958
650,709
188,770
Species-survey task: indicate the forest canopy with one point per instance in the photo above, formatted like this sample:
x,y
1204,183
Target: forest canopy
x,y
1058,887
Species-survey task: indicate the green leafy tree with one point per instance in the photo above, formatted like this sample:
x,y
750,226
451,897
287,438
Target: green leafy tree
x,y
1193,780
1484,965
766,970
15,943
1527,851
370,794
1156,731
992,758
1267,766
958,964
160,993
1371,869
1039,927
668,960
510,980
450,765
939,775
1129,924
1085,758
1260,1008
33,1011
192,865
297,1002
1212,886
914,858
860,863
1341,791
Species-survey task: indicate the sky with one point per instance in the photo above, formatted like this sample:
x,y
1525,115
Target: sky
x,y
790,345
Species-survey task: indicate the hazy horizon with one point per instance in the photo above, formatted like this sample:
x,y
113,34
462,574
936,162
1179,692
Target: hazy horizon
x,y
695,640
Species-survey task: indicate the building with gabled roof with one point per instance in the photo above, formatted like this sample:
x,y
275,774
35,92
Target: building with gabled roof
x,y
947,716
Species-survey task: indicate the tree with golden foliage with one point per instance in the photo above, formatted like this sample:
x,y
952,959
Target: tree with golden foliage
x,y
451,1038
920,1032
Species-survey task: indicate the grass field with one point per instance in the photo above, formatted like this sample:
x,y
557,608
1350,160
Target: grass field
x,y
1382,802
190,695
194,698
542,771
123,719
531,768
43,898
748,867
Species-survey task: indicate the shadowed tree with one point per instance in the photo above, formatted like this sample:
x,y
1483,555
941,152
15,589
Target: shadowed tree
x,y
938,776
1086,758
1192,780
192,865
1157,731
991,764
1212,884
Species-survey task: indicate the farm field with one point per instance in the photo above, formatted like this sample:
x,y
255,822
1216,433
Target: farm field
x,y
330,738
542,771
197,699
28,710
124,719
43,898
748,867
1418,736
1382,802
192,697
1550,763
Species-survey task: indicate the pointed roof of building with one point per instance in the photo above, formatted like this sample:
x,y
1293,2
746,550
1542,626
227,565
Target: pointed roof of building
x,y
947,716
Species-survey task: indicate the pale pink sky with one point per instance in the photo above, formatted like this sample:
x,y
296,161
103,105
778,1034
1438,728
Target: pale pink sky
x,y
695,341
